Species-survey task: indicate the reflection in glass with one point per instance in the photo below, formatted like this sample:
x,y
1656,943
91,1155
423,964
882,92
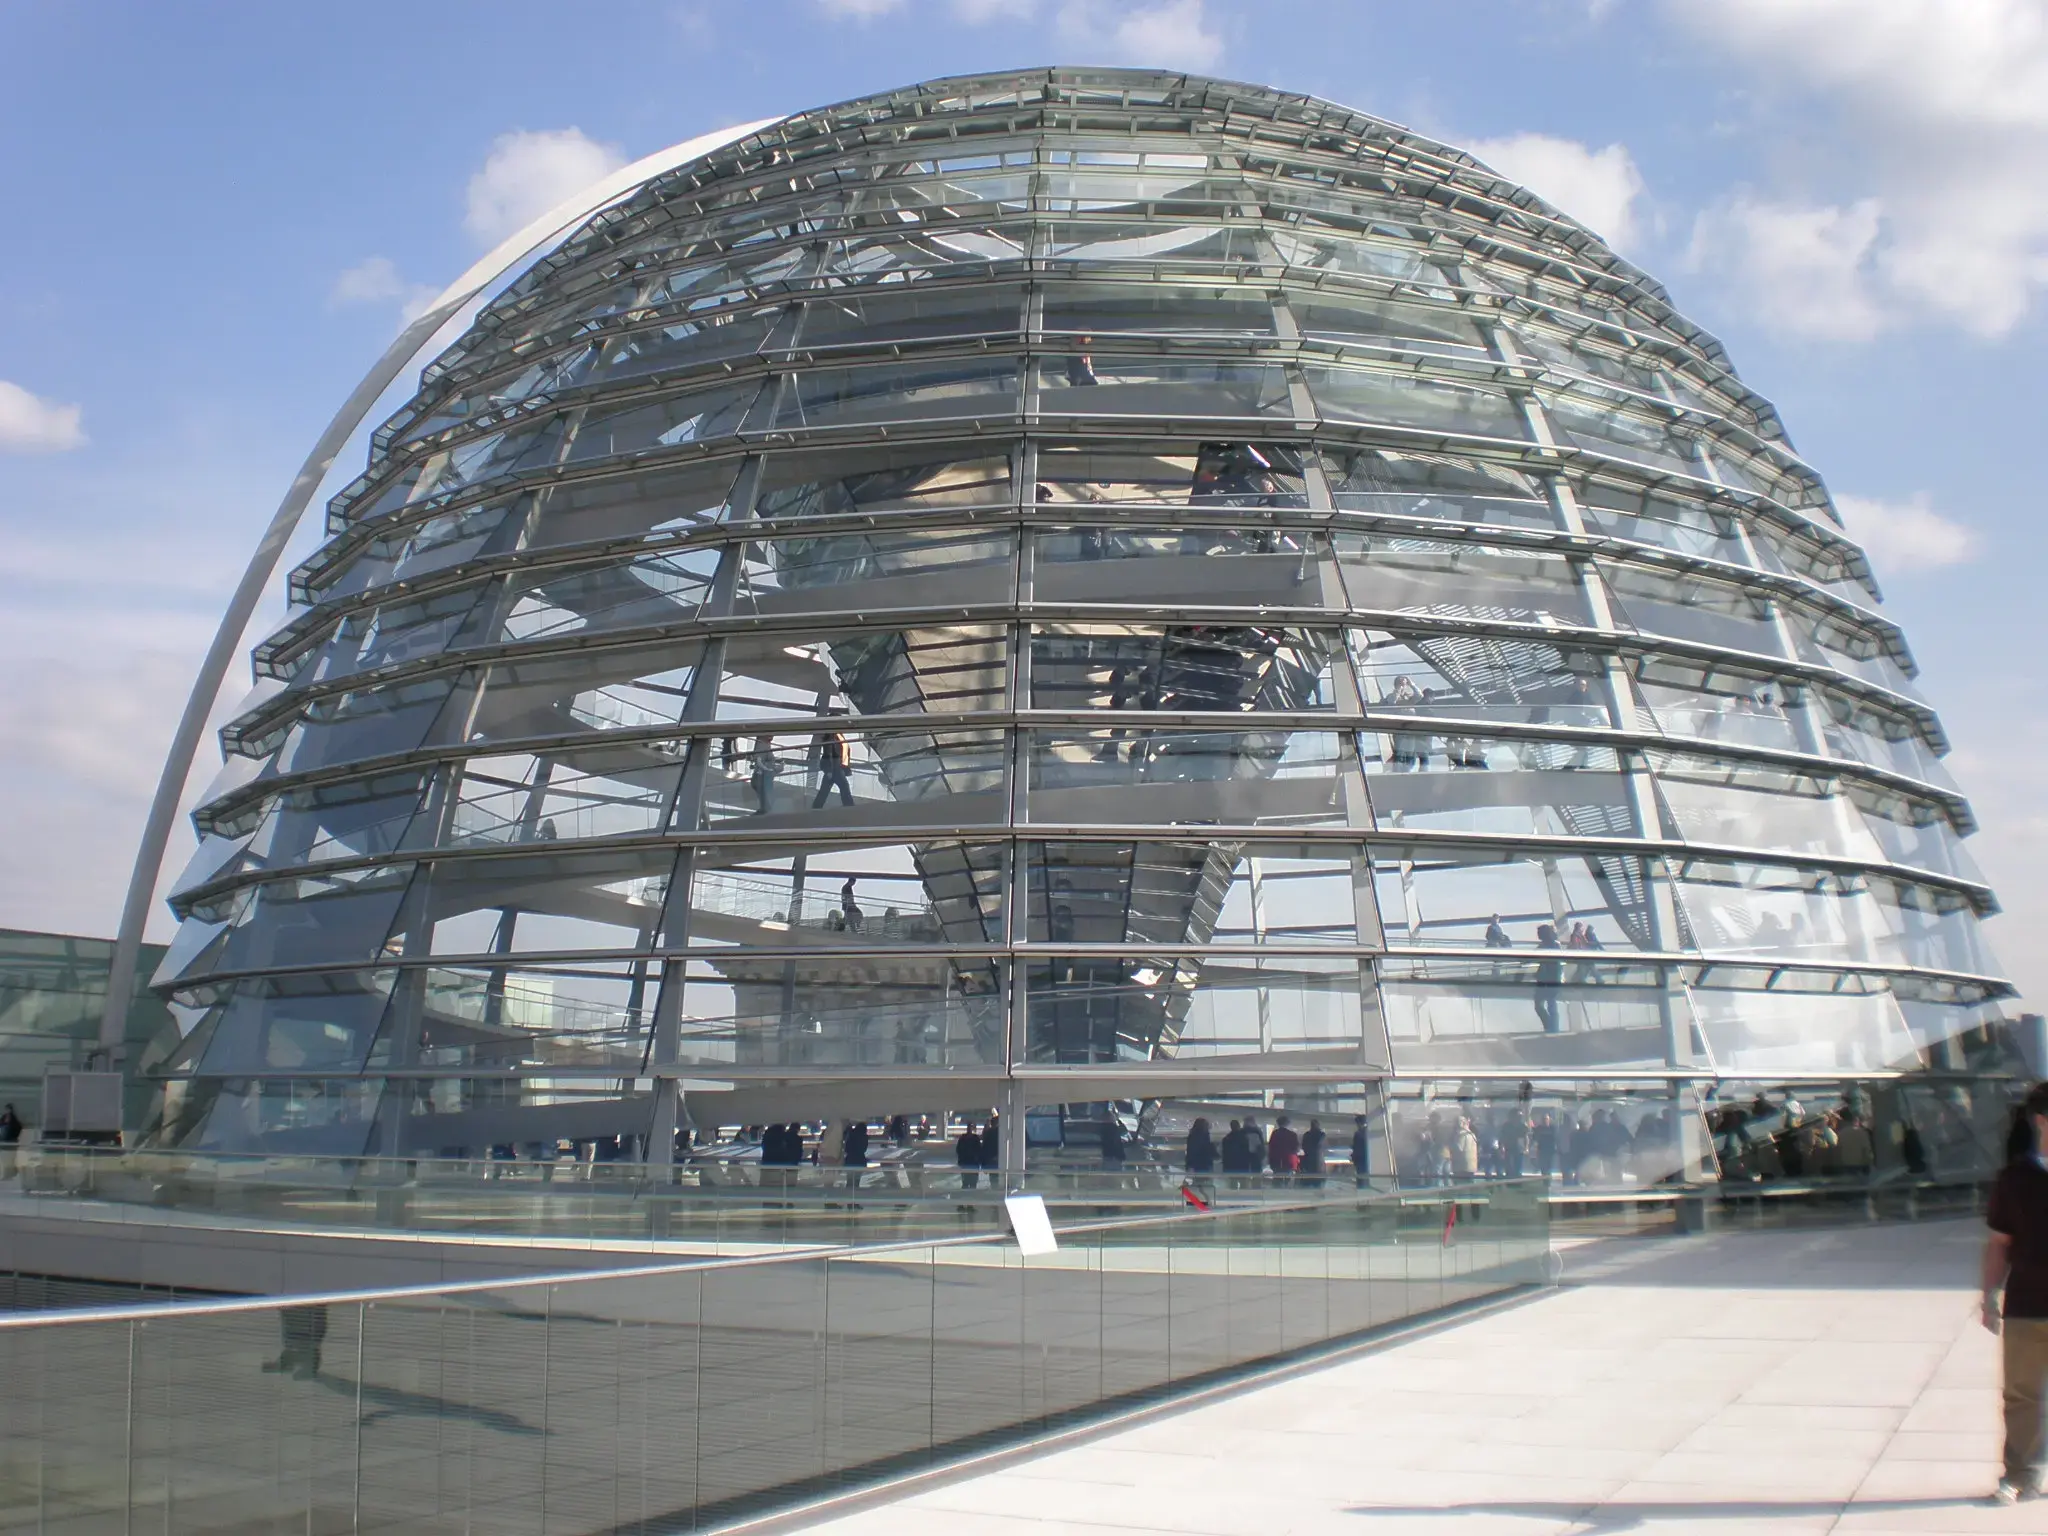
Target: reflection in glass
x,y
940,670
1195,564
1687,607
1479,678
1508,786
1453,1015
1201,475
1218,1010
1753,805
1116,777
866,571
866,480
1404,400
1190,893
937,892
1709,702
1779,1023
1514,898
1454,579
810,1012
1191,667
1661,518
844,397
836,776
1091,382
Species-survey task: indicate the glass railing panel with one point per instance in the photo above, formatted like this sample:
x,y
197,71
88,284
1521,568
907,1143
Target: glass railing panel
x,y
977,1372
1137,1310
877,1369
457,1399
647,1433
1062,1329
1303,1259
1257,1299
1199,1294
242,1419
63,1426
1347,1254
679,1397
760,1372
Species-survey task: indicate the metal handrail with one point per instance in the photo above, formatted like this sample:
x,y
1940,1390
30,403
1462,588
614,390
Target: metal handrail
x,y
1457,1194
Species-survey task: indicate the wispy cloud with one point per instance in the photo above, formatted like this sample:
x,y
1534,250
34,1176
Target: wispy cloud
x,y
1904,536
1598,187
1172,34
977,13
1946,106
1804,268
377,280
31,424
529,172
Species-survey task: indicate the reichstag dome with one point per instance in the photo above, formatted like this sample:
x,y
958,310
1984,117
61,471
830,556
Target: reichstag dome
x,y
1075,592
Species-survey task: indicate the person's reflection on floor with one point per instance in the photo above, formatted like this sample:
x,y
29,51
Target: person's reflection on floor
x,y
1549,973
762,780
304,1330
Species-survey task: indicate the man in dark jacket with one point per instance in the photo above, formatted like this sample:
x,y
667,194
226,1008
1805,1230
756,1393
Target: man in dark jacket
x,y
1283,1149
967,1155
1233,1154
2016,1262
1312,1141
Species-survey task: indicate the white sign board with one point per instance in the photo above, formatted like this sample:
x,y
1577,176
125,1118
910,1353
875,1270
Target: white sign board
x,y
1029,1222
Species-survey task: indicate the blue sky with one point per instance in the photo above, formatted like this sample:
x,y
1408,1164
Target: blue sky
x,y
218,213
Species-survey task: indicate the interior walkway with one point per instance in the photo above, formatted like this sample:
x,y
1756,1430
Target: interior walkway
x,y
1779,1383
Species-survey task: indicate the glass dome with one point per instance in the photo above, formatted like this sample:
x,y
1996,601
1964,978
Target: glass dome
x,y
1079,588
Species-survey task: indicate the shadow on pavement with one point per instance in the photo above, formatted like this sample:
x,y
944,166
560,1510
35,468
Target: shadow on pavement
x,y
1933,1255
395,1402
1599,1519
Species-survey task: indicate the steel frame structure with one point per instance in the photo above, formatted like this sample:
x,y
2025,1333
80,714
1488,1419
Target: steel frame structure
x,y
1303,615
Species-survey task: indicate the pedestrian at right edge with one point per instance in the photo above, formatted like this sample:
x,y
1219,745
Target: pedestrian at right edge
x,y
2016,1262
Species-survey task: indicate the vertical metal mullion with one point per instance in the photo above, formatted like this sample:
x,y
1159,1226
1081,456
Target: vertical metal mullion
x,y
1016,925
128,1434
683,813
362,1332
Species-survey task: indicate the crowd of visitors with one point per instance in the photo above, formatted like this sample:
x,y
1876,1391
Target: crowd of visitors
x,y
1471,1139
1761,1140
1596,1146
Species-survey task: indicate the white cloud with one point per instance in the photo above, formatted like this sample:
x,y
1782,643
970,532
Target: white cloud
x,y
31,424
1944,106
1904,536
1598,187
1806,269
859,10
527,173
377,280
981,12
1173,34
370,281
2000,737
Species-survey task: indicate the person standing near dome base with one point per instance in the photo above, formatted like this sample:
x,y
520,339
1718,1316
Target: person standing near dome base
x,y
2016,1262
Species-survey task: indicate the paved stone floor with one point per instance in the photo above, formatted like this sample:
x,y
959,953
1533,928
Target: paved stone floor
x,y
1771,1383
